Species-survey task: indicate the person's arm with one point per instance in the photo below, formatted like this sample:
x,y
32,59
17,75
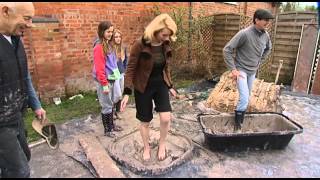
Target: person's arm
x,y
171,88
100,64
237,41
131,68
125,61
267,50
167,69
33,101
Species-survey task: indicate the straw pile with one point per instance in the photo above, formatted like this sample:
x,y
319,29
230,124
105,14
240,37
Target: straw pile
x,y
264,96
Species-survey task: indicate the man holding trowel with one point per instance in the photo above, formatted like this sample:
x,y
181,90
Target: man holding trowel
x,y
252,45
16,90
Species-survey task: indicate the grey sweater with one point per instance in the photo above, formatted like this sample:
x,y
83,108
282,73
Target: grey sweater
x,y
252,47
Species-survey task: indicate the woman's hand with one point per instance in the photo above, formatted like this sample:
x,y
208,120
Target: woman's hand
x,y
124,102
105,89
173,92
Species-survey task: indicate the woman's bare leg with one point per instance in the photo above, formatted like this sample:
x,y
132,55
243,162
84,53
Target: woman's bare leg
x,y
165,118
144,131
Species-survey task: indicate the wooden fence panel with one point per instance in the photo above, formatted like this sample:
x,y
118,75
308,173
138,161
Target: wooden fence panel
x,y
285,33
286,43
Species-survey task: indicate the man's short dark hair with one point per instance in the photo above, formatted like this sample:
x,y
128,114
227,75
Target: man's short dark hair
x,y
262,14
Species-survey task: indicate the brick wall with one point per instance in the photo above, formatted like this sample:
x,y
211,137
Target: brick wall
x,y
60,52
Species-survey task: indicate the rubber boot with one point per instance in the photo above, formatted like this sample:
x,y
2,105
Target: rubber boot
x,y
242,117
239,116
114,126
107,124
118,106
117,110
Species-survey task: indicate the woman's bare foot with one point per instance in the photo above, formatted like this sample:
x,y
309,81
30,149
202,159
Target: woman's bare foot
x,y
146,154
162,154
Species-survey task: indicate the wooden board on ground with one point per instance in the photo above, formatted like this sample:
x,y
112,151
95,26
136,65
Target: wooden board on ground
x,y
98,156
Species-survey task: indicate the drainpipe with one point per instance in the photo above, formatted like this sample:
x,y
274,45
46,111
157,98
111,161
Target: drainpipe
x,y
189,32
245,8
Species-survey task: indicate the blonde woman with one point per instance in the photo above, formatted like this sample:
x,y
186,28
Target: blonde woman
x,y
122,61
148,76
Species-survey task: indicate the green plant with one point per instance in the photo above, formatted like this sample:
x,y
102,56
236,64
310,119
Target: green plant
x,y
192,52
67,110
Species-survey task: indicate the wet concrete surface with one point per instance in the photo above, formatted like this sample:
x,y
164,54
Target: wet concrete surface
x,y
299,159
128,150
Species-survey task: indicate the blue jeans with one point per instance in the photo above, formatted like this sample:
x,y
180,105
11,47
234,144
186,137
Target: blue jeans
x,y
244,85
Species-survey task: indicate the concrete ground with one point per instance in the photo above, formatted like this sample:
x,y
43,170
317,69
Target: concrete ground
x,y
301,158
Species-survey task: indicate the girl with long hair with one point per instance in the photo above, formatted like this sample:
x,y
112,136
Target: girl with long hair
x,y
105,73
122,60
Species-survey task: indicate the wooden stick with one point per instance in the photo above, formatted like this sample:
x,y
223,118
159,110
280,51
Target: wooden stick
x,y
278,72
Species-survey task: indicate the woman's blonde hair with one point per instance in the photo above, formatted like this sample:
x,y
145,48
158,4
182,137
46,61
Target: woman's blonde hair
x,y
157,24
118,47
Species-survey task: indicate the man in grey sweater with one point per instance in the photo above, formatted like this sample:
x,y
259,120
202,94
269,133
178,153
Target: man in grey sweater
x,y
252,45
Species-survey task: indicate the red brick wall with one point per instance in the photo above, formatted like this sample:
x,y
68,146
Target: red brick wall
x,y
60,60
45,62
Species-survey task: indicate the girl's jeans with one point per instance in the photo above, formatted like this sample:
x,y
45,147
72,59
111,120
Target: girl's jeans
x,y
244,85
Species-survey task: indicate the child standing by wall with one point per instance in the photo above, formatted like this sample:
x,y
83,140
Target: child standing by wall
x,y
106,72
122,61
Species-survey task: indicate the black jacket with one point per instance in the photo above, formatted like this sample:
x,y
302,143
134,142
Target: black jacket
x,y
13,80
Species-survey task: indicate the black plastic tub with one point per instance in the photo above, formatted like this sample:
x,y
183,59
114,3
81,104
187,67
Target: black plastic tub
x,y
260,131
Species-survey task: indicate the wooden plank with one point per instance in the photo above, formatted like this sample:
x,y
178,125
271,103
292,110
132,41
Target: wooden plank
x,y
287,36
298,16
227,28
236,24
224,33
99,158
220,43
304,60
288,30
228,17
291,33
295,12
286,48
229,23
219,38
289,54
292,43
288,64
291,24
285,55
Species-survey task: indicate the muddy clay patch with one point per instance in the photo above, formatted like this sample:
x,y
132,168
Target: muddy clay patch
x,y
259,131
127,150
253,123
